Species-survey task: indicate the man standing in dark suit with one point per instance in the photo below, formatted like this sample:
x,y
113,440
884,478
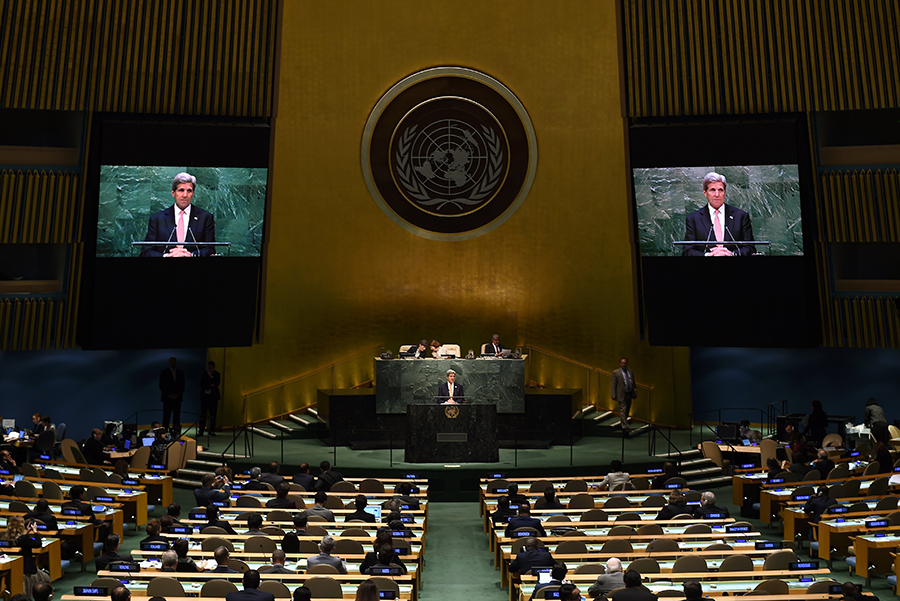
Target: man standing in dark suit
x,y
450,392
182,225
251,590
634,590
171,387
717,222
623,390
209,397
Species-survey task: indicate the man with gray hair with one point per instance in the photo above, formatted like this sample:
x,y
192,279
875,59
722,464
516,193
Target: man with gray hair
x,y
708,509
169,561
451,393
610,581
717,223
326,558
253,483
182,225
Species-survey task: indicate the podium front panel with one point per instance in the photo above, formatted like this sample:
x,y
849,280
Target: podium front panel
x,y
451,433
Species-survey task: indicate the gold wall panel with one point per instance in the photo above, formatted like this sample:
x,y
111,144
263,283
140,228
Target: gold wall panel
x,y
705,57
37,207
861,206
558,275
190,57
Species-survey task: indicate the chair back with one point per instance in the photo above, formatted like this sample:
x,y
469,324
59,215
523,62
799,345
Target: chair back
x,y
322,568
29,470
24,488
767,448
591,568
617,503
812,475
712,452
213,530
647,529
698,529
346,546
354,532
280,515
841,471
51,490
214,542
540,486
594,515
238,565
371,485
259,544
773,587
690,563
248,501
493,485
629,516
581,501
343,486
780,560
835,440
215,588
275,531
885,503
874,467
621,531
645,565
164,587
640,483
92,492
323,587
386,584
276,588
616,545
654,501
333,502
666,545
575,486
571,546
18,507
878,487
316,530
141,458
822,587
736,563
558,518
107,583
309,547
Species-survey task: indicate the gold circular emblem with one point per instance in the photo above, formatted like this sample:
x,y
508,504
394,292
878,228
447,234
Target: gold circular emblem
x,y
451,411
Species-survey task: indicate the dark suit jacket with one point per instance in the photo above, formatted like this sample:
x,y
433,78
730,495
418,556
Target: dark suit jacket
x,y
307,481
326,479
636,593
531,558
736,226
704,510
824,466
524,521
360,514
672,509
444,392
617,386
168,385
255,485
202,228
278,570
282,503
489,348
204,496
250,594
102,562
210,382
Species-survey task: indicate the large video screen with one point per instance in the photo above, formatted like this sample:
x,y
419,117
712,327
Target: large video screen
x,y
724,220
760,203
136,205
192,187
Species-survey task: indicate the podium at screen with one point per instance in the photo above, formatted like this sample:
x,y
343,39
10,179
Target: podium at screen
x,y
732,245
451,433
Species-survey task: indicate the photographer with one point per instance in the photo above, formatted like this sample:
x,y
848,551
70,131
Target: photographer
x,y
213,488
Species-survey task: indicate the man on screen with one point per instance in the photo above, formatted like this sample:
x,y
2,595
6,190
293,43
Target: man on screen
x,y
450,392
182,225
717,222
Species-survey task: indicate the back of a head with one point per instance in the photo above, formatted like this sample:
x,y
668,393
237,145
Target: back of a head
x,y
300,521
361,502
772,463
405,489
385,554
325,466
558,571
76,492
169,559
632,579
174,510
120,593
304,468
282,490
822,491
254,521
822,455
669,467
382,538
676,496
221,554
212,512
42,591
251,579
871,401
513,489
850,591
327,544
367,591
255,473
207,480
567,592
615,465
273,467
320,497
278,556
301,593
43,506
181,547
708,498
524,508
692,589
290,543
153,527
614,564
111,543
503,503
549,494
530,543
800,457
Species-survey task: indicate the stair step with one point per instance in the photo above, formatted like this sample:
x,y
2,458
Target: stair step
x,y
694,462
186,471
639,430
586,409
186,482
709,482
602,416
281,426
204,463
313,411
681,454
218,456
701,472
262,432
301,419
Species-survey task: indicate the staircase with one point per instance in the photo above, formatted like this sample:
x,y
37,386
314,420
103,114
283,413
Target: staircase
x,y
697,470
607,423
291,426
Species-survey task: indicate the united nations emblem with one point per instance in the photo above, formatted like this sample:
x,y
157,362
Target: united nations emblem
x,y
449,153
451,411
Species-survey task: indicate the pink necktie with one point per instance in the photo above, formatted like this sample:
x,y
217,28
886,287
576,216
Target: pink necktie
x,y
181,227
720,234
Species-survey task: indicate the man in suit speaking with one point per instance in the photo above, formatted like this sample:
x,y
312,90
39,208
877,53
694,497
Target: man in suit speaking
x,y
717,222
450,392
182,225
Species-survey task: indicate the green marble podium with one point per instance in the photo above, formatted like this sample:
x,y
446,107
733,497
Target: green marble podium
x,y
403,382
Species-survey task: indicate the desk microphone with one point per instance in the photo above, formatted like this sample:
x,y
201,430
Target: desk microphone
x,y
165,248
191,232
737,247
